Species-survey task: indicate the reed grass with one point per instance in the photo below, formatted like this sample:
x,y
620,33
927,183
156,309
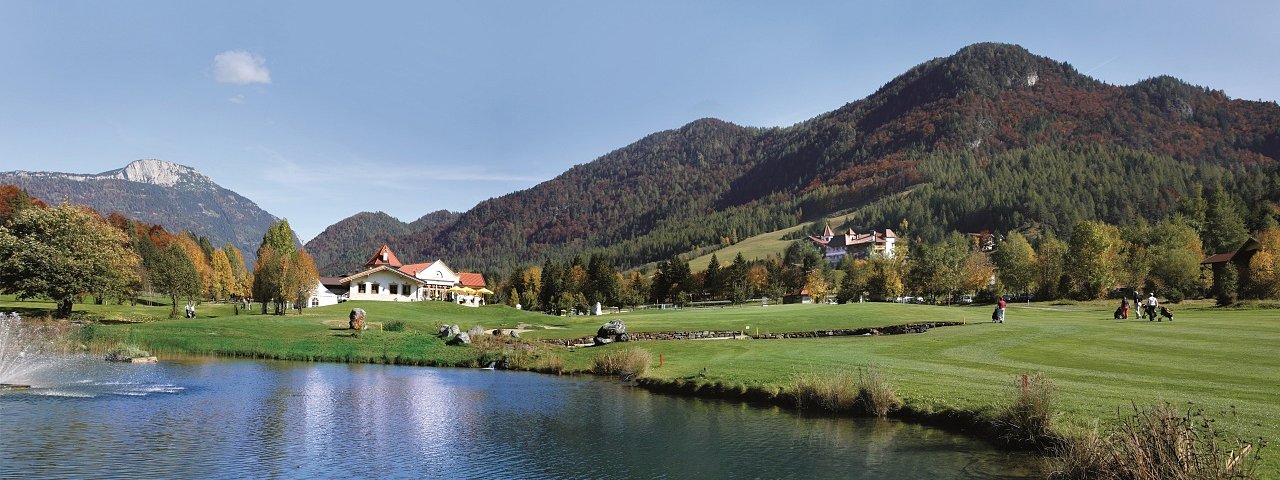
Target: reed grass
x,y
1157,443
631,362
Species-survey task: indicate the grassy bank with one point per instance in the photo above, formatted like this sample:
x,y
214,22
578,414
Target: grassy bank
x,y
1219,360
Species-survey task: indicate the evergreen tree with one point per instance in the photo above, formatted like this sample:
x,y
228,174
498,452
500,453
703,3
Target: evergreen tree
x,y
550,287
737,286
1224,225
713,279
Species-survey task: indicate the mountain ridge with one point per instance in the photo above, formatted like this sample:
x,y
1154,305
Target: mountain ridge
x,y
174,196
711,181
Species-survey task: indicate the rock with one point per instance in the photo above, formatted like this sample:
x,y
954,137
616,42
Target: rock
x,y
476,331
454,330
515,334
614,327
444,331
602,341
460,339
356,319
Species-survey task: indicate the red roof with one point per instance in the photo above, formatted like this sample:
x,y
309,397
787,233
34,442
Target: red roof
x,y
413,269
383,257
468,279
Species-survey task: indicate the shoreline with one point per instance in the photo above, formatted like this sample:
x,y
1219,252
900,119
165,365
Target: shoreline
x,y
969,423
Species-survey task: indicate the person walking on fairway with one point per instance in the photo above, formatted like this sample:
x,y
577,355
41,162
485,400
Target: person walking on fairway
x,y
1000,310
1151,307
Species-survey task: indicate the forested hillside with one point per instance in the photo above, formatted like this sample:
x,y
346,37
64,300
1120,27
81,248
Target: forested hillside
x,y
345,246
990,138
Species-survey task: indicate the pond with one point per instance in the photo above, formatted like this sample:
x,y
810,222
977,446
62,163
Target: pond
x,y
212,418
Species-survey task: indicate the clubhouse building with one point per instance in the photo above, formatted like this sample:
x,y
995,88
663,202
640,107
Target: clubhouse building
x,y
386,279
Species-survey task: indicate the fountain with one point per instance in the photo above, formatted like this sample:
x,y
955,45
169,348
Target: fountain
x,y
25,349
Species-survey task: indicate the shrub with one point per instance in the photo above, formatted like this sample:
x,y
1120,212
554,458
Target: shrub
x,y
393,326
1159,443
875,395
126,351
549,364
834,392
1174,296
1029,420
632,362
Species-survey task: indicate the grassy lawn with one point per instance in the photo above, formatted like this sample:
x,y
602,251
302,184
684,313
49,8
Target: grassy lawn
x,y
773,318
1221,360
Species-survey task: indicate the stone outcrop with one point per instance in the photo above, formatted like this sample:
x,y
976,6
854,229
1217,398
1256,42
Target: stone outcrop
x,y
460,339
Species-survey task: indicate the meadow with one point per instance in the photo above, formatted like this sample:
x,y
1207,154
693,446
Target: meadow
x,y
1221,360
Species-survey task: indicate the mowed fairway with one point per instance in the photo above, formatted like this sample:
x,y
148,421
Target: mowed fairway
x,y
1221,360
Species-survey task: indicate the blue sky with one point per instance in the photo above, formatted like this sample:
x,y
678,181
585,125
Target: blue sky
x,y
319,110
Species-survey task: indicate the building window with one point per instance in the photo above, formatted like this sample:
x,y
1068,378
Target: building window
x,y
375,288
315,301
360,288
395,288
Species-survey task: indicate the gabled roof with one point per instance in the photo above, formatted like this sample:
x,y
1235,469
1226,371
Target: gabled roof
x,y
469,279
380,268
414,268
331,281
827,231
1219,258
383,257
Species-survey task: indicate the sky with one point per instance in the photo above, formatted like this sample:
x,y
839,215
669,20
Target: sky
x,y
318,110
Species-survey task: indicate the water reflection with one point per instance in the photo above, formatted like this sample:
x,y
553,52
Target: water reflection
x,y
199,418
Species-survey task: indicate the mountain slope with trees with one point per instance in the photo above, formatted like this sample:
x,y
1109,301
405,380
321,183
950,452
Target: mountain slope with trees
x,y
990,138
154,191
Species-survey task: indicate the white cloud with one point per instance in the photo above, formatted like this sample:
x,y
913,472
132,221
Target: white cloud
x,y
240,67
239,98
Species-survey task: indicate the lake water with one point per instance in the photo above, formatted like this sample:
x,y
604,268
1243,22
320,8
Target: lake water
x,y
209,418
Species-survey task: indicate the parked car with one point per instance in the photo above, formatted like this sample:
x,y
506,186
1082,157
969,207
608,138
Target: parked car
x,y
965,300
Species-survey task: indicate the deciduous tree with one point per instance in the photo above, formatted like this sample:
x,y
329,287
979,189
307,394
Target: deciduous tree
x,y
62,253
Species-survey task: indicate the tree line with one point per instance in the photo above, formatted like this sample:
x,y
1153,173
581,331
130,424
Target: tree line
x,y
1092,261
70,252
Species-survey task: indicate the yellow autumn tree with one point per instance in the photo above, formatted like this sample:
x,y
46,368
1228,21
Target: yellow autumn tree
x,y
223,279
196,256
1264,267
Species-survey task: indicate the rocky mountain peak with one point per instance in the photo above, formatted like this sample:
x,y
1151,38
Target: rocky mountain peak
x,y
156,172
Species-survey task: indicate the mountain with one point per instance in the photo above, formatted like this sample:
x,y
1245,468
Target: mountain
x,y
991,137
174,196
344,246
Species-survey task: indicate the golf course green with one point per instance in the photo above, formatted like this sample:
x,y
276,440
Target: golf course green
x,y
1220,360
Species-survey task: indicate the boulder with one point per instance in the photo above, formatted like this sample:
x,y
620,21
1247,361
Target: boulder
x,y
444,331
476,331
601,341
356,319
515,334
460,339
454,330
614,327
